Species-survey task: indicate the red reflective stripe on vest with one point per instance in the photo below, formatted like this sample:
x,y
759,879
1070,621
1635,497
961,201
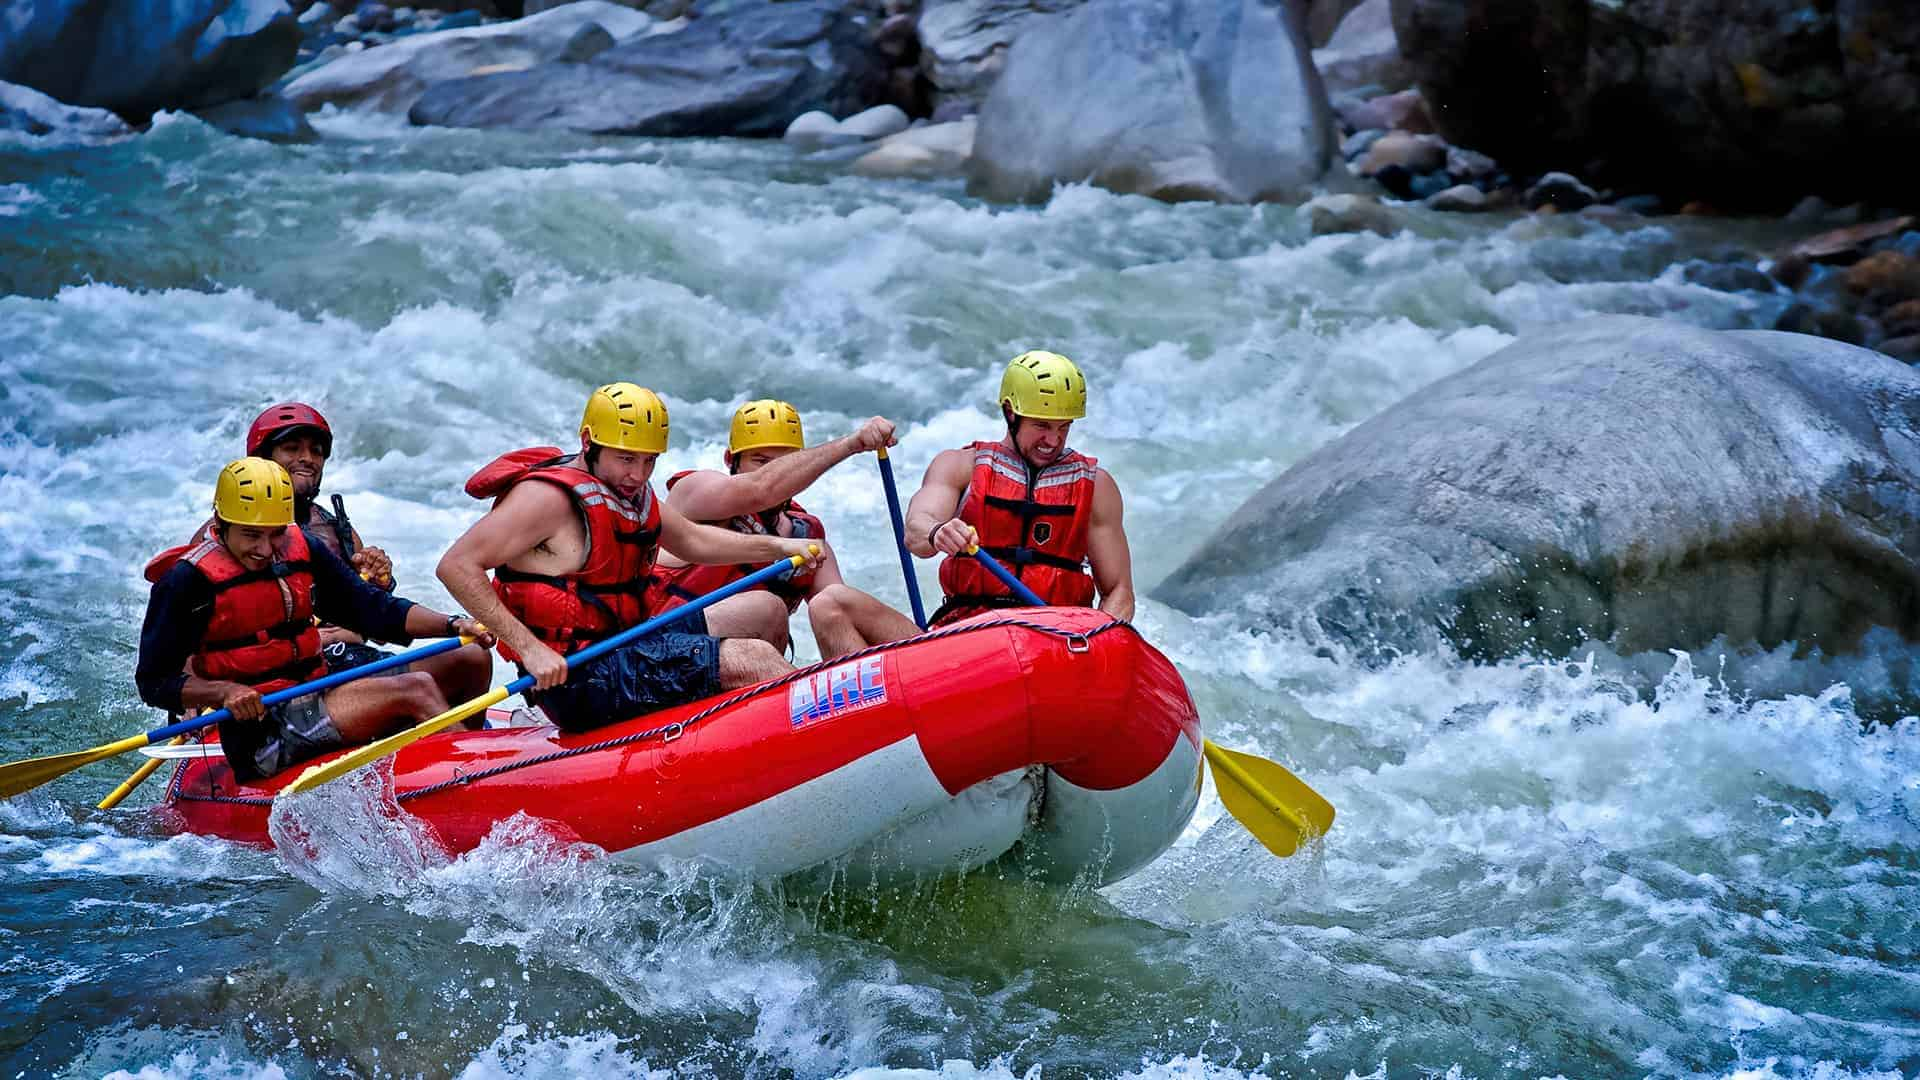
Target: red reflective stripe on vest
x,y
608,594
263,625
1016,538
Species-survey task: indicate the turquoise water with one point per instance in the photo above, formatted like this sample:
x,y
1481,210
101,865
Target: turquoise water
x,y
1540,868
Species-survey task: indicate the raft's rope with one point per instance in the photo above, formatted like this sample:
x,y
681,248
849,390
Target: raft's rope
x,y
679,726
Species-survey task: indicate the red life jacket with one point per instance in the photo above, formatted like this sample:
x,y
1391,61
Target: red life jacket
x,y
1035,523
675,585
262,631
607,595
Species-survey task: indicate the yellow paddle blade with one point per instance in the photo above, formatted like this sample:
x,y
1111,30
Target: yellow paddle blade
x,y
372,752
19,777
1277,807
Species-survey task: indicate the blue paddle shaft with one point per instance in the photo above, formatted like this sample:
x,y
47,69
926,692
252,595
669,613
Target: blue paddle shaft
x,y
598,649
900,541
1006,578
320,685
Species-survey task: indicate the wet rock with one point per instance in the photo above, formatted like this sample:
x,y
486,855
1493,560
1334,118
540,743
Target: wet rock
x,y
1404,111
1759,102
1330,214
1884,274
1813,208
1395,180
137,58
1649,205
1469,166
1460,198
375,17
929,151
1324,18
875,123
1902,319
1790,270
1176,99
392,77
815,128
268,117
749,70
30,112
1848,244
1426,185
1620,479
1363,53
1560,190
963,44
1414,153
1726,277
1819,321
586,43
1904,349
1357,143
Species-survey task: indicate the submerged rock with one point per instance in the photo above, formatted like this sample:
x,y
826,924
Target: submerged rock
x,y
1180,100
1621,479
139,58
268,117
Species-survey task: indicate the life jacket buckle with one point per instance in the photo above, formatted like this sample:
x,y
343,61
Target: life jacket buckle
x,y
672,732
1078,643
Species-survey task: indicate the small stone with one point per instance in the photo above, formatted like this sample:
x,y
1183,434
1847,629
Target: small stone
x,y
1700,208
1649,205
1844,245
1804,318
1815,209
589,41
1904,348
315,14
1328,214
1563,191
1404,111
1885,274
875,123
1460,198
811,129
1468,165
1790,270
1902,319
1357,143
1415,153
374,16
1427,185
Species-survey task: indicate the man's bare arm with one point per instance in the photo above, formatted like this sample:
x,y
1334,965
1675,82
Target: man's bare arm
x,y
522,521
1107,548
937,500
708,544
715,496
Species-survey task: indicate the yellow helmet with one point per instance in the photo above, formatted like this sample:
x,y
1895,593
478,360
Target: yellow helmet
x,y
626,417
1044,385
254,491
763,423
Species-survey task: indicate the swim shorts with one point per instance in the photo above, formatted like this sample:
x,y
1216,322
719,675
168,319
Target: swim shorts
x,y
346,655
291,732
660,670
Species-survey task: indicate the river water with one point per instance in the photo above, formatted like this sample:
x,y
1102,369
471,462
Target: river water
x,y
1540,868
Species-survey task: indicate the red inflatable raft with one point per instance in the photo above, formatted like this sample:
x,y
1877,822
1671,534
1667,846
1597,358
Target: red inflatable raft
x,y
1059,727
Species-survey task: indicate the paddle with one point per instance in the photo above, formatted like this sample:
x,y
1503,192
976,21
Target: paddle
x,y
1277,807
900,540
118,795
17,777
316,775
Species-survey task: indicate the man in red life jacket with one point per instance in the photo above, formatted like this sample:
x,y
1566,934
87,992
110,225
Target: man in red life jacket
x,y
295,435
232,617
571,539
1045,512
768,464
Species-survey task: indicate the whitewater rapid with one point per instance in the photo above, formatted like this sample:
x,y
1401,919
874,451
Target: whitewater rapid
x,y
1615,866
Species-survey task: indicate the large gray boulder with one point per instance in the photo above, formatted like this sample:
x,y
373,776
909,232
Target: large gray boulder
x,y
750,71
963,44
1619,479
1363,54
1177,99
29,112
139,56
392,77
1754,102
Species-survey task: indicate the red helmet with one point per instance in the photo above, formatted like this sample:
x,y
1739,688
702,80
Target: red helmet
x,y
279,420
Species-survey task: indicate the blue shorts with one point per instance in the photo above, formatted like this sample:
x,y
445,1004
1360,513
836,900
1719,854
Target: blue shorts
x,y
347,655
663,669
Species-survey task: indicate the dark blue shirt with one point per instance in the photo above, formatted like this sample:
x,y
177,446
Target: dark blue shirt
x,y
181,607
